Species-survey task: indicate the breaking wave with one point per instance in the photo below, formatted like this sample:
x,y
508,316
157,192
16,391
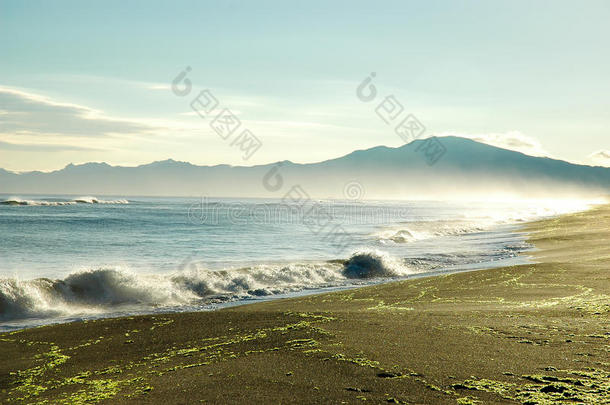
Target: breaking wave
x,y
80,200
411,232
100,290
373,263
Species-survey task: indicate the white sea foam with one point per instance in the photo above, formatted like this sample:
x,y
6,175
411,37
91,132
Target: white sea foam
x,y
95,200
99,290
81,200
20,201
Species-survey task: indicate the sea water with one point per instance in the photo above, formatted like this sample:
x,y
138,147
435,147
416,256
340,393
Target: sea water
x,y
65,258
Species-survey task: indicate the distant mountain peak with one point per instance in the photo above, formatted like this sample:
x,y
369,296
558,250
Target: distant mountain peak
x,y
167,163
87,165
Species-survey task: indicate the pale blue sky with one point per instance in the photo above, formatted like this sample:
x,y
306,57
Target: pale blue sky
x,y
88,81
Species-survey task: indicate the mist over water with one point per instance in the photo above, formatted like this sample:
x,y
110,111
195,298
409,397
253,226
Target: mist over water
x,y
74,257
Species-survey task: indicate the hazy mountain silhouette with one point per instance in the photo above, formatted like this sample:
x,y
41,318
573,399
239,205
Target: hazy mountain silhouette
x,y
466,169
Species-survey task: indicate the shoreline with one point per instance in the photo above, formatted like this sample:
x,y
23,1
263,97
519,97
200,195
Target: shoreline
x,y
515,229
531,333
249,301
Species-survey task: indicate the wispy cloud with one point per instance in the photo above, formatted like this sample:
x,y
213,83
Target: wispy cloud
x,y
43,147
212,113
30,113
157,86
88,80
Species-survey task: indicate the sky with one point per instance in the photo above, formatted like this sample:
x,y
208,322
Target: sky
x,y
92,81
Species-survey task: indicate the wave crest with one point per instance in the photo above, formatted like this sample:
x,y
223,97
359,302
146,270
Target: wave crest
x,y
373,263
95,200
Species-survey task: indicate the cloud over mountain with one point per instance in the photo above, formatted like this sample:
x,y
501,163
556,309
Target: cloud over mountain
x,y
511,140
601,157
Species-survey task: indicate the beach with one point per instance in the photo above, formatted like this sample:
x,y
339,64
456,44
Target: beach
x,y
531,334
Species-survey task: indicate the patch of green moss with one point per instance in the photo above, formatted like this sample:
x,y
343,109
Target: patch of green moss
x,y
302,343
468,401
382,306
162,322
94,391
26,385
360,361
589,386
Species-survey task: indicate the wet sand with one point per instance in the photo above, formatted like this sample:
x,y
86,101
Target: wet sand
x,y
531,334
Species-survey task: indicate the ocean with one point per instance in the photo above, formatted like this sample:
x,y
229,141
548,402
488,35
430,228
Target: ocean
x,y
66,258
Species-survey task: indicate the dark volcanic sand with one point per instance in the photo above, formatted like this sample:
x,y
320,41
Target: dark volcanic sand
x,y
525,334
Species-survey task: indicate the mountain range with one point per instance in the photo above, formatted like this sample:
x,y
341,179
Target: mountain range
x,y
436,168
